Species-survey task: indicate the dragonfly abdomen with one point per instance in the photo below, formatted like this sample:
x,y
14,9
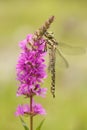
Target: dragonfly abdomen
x,y
52,69
53,80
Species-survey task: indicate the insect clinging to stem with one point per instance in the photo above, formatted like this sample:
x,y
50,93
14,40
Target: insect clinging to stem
x,y
52,46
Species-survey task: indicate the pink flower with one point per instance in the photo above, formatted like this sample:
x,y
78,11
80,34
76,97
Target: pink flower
x,y
31,90
23,44
25,110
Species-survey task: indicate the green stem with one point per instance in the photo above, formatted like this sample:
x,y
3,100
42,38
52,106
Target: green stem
x,y
31,117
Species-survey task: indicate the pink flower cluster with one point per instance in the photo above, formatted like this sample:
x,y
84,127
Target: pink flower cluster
x,y
30,73
25,109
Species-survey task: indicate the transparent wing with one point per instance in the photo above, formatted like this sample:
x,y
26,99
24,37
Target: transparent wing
x,y
61,61
71,50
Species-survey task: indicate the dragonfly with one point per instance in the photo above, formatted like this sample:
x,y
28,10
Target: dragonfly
x,y
53,47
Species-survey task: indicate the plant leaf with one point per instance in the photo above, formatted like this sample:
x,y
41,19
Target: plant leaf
x,y
24,124
40,125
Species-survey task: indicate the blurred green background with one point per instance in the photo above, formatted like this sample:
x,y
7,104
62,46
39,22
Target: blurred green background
x,y
68,111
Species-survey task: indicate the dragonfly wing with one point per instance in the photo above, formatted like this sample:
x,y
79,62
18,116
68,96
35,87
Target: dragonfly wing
x,y
61,60
70,50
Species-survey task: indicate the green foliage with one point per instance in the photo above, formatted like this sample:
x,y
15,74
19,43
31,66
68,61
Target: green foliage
x,y
24,124
40,125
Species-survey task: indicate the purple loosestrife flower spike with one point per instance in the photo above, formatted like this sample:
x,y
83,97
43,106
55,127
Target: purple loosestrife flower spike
x,y
31,72
31,67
